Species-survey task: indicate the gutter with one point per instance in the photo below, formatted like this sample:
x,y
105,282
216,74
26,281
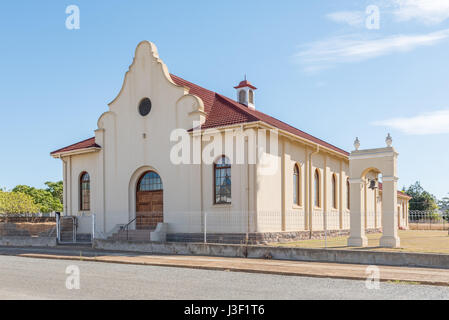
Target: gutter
x,y
75,152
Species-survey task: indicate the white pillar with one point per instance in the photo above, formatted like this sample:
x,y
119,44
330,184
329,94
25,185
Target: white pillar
x,y
380,160
390,237
357,236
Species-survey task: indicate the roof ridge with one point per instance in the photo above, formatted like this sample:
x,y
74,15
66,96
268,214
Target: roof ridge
x,y
193,84
255,117
194,88
305,132
250,112
238,106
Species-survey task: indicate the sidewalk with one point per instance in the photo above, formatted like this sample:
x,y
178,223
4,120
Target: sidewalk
x,y
279,267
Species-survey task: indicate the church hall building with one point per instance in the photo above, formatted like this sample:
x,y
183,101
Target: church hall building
x,y
129,174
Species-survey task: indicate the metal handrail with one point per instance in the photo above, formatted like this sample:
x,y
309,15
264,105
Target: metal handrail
x,y
127,227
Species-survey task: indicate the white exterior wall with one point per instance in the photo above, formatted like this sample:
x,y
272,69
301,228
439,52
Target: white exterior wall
x,y
275,208
132,144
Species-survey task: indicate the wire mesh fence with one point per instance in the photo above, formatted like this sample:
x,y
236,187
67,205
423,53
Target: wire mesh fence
x,y
298,228
428,220
228,226
295,227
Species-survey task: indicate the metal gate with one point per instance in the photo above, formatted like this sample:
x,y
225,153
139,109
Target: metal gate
x,y
68,231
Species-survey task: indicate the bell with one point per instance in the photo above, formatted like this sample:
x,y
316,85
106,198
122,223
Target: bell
x,y
372,184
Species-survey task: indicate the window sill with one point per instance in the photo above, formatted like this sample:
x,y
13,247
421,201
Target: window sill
x,y
295,206
222,205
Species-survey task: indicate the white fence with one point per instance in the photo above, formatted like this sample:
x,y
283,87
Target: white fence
x,y
260,221
428,220
238,225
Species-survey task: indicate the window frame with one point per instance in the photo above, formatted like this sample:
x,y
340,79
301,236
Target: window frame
x,y
348,195
297,185
334,192
142,112
226,167
242,94
317,189
82,183
139,182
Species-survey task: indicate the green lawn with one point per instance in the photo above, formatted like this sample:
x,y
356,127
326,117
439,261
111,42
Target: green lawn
x,y
411,241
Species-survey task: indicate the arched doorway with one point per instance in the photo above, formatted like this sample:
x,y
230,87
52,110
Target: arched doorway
x,y
149,201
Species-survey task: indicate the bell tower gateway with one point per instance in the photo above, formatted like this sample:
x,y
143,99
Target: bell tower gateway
x,y
362,165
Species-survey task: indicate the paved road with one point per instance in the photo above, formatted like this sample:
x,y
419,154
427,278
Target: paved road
x,y
30,278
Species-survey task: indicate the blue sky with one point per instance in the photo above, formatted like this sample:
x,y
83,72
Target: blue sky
x,y
316,64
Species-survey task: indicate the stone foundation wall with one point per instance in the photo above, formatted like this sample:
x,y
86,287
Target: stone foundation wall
x,y
259,237
26,229
28,241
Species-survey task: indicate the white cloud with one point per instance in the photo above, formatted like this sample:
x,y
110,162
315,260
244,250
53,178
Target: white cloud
x,y
426,11
436,122
352,18
324,54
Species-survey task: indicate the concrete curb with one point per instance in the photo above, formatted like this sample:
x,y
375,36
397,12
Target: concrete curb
x,y
399,259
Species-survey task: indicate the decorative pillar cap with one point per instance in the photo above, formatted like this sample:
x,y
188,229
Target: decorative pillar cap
x,y
389,141
357,143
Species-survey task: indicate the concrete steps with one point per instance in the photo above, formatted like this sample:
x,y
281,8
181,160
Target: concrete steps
x,y
67,229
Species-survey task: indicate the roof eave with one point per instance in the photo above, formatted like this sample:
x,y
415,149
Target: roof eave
x,y
58,155
283,132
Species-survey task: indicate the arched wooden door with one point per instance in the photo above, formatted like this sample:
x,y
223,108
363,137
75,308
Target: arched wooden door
x,y
149,201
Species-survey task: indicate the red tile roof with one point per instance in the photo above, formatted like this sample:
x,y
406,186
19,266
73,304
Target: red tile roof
x,y
400,193
88,143
222,111
207,96
245,83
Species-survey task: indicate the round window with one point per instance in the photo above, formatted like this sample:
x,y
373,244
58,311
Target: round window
x,y
145,107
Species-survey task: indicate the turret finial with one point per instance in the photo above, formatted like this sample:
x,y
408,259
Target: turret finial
x,y
389,141
357,143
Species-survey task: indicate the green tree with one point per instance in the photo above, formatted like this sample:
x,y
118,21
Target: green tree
x,y
421,199
444,206
17,203
44,199
56,189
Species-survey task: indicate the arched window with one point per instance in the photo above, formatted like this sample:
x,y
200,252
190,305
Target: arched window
x,y
251,96
242,96
84,192
348,194
334,192
317,193
222,183
296,185
150,181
